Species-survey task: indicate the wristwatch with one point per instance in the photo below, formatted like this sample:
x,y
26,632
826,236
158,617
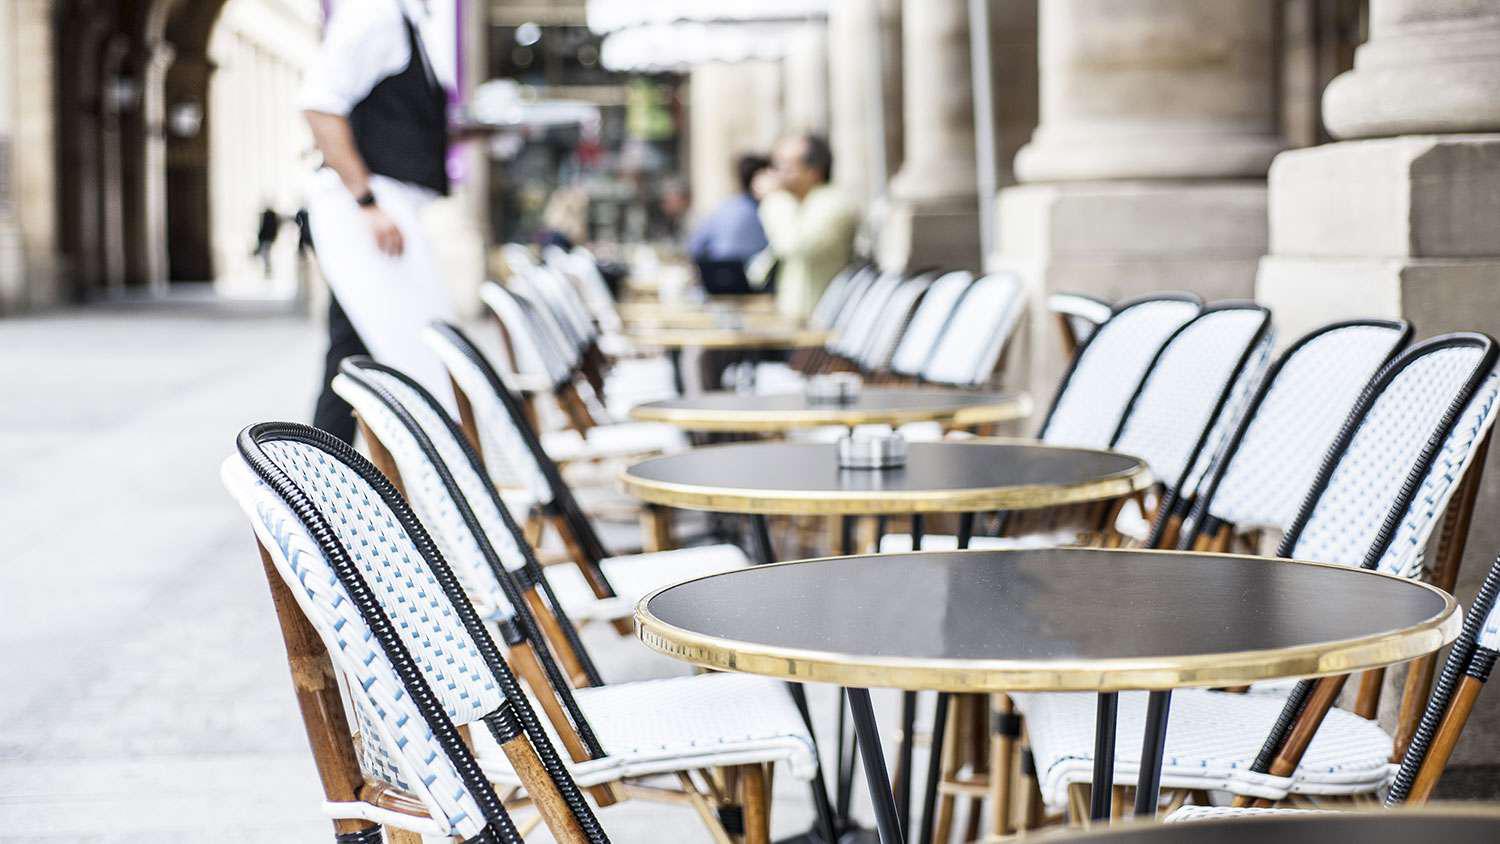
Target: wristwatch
x,y
365,200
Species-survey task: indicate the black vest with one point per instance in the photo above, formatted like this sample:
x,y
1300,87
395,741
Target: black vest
x,y
401,127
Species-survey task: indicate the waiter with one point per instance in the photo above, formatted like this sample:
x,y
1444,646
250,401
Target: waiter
x,y
378,110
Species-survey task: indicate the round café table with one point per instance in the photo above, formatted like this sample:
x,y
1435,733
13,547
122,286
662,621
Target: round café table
x,y
750,338
1451,825
966,477
724,411
1045,620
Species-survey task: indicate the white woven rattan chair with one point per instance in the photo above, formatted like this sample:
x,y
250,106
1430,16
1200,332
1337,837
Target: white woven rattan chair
x,y
1078,315
496,426
875,357
1271,459
970,347
589,440
622,730
1405,450
928,322
363,594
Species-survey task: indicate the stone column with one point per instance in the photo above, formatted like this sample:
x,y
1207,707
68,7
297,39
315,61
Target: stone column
x,y
934,217
1401,218
1147,170
805,71
864,67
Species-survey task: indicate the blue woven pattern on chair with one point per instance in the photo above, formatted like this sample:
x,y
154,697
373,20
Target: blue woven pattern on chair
x,y
1230,416
1489,635
1108,370
397,744
1384,449
1181,393
506,456
927,322
408,593
428,495
970,347
1295,424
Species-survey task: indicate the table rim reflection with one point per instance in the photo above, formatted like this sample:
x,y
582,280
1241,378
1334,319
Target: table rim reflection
x,y
1004,407
786,502
1159,673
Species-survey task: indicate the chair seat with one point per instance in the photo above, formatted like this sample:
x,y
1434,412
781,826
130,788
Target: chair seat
x,y
635,576
1188,814
623,439
896,543
682,723
1212,739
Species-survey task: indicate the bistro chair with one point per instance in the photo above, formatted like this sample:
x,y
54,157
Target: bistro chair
x,y
496,426
613,732
1078,314
1404,451
1089,406
968,350
533,355
920,339
368,608
1265,469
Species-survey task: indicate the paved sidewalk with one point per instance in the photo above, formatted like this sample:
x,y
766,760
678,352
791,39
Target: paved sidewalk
x,y
147,696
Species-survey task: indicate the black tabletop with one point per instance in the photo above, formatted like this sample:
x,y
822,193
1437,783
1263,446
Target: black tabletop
x,y
937,477
731,411
1043,619
1376,827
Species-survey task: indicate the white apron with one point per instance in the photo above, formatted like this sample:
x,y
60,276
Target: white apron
x,y
389,300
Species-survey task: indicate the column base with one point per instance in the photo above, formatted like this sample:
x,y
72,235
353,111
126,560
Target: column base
x,y
1119,240
930,235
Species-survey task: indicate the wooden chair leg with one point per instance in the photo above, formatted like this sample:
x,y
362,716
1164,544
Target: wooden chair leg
x,y
1006,730
755,797
396,835
952,764
1319,701
1367,701
318,699
1446,739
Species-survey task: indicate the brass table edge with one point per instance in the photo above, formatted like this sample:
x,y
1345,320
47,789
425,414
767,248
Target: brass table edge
x,y
767,502
726,338
1234,668
761,421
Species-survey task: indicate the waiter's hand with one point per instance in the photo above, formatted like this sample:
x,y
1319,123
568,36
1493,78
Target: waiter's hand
x,y
387,233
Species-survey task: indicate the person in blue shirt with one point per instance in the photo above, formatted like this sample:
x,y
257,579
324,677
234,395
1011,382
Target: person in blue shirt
x,y
732,232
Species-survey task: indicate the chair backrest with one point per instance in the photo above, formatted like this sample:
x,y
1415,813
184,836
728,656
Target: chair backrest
x,y
517,257
1103,376
928,321
1399,457
545,313
559,293
504,430
532,351
882,339
1079,314
444,482
859,285
396,623
1270,460
1190,386
834,295
969,348
856,331
581,266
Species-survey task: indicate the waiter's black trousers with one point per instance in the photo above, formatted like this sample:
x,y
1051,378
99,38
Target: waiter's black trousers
x,y
333,414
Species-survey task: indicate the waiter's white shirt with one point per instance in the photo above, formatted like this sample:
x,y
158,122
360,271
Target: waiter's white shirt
x,y
390,301
364,41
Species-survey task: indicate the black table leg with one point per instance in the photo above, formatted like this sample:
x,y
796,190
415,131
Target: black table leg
x,y
879,782
1104,755
908,742
826,827
934,769
1148,787
674,355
